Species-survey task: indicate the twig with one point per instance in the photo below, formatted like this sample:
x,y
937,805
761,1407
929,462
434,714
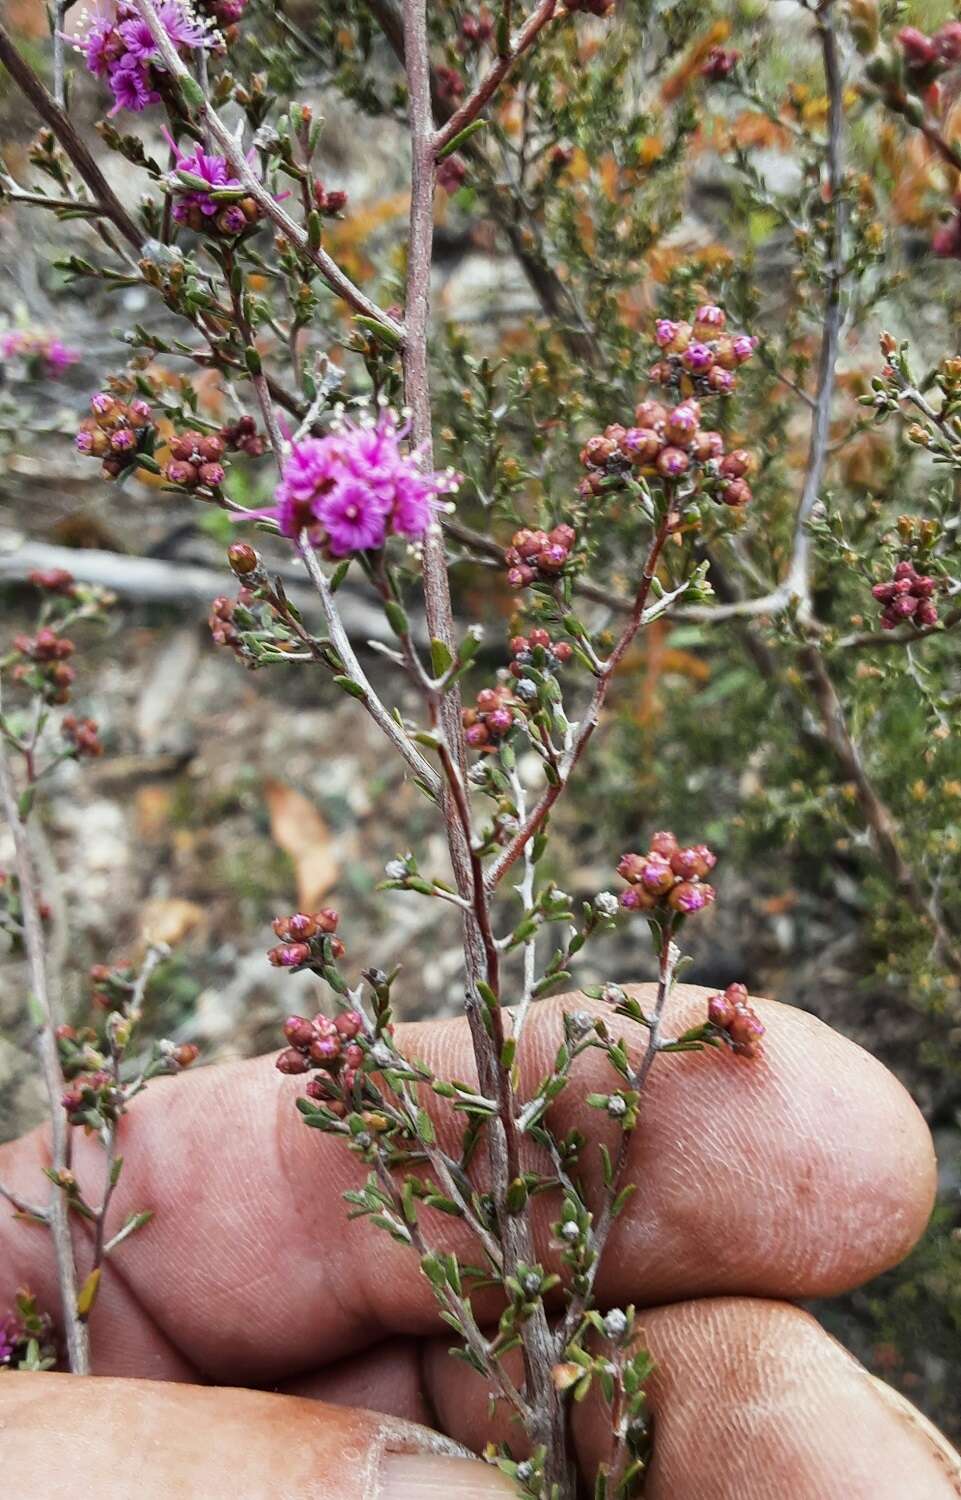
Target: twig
x,y
58,120
341,642
78,1350
798,583
882,828
471,107
32,1210
591,718
667,963
56,26
234,154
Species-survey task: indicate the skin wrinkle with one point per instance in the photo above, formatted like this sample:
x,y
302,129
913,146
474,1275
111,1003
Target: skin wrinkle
x,y
713,1117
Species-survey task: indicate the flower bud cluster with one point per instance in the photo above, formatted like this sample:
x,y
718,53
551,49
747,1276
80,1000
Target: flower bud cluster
x,y
700,358
53,581
304,938
195,460
720,64
490,720
221,622
925,57
946,240
242,437
536,649
92,1097
83,735
908,597
118,432
669,877
43,664
591,7
451,173
668,443
535,554
329,202
732,1015
112,984
223,12
11,907
476,28
329,1048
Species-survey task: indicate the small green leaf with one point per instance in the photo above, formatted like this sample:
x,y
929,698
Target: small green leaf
x,y
192,92
350,686
380,331
396,618
440,657
461,138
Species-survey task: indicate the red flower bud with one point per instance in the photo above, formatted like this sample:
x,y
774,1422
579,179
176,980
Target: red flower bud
x,y
292,1061
299,1031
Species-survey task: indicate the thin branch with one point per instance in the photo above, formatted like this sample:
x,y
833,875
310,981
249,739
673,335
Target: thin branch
x,y
58,120
32,1210
591,718
509,210
797,582
78,1349
235,155
471,107
341,642
882,828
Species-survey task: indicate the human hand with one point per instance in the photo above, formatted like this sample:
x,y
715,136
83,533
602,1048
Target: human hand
x,y
797,1175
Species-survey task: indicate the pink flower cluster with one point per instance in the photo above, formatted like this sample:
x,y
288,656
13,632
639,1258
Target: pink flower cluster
x,y
118,46
668,876
699,357
355,487
908,597
42,350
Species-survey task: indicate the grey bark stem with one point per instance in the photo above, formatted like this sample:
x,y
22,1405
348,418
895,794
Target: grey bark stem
x,y
57,1216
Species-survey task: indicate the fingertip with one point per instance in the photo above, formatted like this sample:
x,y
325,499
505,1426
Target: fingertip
x,y
795,1174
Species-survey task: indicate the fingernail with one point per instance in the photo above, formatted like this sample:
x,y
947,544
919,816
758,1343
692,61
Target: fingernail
x,y
428,1476
947,1456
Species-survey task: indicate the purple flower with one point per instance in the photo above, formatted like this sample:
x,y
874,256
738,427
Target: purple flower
x,y
51,353
59,357
355,486
101,46
9,1339
117,45
354,517
182,27
138,42
130,82
208,168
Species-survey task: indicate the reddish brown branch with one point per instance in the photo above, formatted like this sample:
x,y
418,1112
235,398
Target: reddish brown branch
x,y
589,723
471,107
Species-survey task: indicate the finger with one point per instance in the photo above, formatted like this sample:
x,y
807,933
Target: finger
x,y
795,1174
386,1378
751,1399
61,1435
